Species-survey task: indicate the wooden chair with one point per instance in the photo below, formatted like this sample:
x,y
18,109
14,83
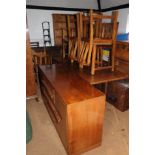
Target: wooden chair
x,y
72,24
101,34
40,58
85,41
83,37
64,44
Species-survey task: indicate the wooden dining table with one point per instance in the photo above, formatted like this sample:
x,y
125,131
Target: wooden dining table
x,y
103,77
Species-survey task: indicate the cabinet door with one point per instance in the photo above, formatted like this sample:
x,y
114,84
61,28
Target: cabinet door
x,y
30,77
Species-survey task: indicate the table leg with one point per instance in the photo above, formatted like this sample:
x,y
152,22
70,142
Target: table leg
x,y
105,89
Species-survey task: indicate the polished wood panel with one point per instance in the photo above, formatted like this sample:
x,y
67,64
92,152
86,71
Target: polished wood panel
x,y
103,76
85,124
122,50
75,107
64,79
122,56
118,94
31,89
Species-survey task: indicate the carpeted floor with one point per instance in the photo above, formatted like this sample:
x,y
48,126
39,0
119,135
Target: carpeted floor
x,y
45,140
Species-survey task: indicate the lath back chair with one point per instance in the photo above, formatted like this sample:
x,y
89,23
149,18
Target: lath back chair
x,y
83,36
100,34
40,58
72,22
86,38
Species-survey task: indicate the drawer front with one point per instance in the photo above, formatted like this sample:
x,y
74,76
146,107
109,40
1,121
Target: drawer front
x,y
62,126
55,115
55,107
50,92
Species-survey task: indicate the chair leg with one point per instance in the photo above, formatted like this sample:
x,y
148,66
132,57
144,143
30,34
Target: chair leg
x,y
80,50
75,50
85,55
93,60
89,54
69,47
82,55
113,56
72,51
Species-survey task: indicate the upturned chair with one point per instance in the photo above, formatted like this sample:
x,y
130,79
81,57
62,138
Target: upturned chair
x,y
72,24
101,34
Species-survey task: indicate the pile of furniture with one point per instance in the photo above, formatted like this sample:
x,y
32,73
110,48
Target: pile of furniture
x,y
75,107
95,31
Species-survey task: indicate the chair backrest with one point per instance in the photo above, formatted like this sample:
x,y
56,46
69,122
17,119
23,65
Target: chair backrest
x,y
41,58
72,25
83,25
103,26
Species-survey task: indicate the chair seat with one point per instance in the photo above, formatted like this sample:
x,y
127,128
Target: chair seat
x,y
99,41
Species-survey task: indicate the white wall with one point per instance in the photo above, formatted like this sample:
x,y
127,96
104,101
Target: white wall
x,y
123,17
111,3
123,20
35,19
90,4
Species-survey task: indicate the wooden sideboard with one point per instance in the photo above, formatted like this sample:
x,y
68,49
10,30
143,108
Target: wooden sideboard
x,y
75,107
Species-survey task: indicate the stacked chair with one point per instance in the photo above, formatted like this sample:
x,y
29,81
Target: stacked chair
x,y
95,32
72,24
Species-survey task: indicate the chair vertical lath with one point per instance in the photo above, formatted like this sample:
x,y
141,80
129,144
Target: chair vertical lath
x,y
115,16
72,38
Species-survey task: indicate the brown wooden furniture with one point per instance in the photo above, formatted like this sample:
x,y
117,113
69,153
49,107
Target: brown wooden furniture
x,y
59,25
53,52
31,89
118,91
41,58
72,24
75,107
103,77
83,40
122,56
121,68
60,29
100,34
118,94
